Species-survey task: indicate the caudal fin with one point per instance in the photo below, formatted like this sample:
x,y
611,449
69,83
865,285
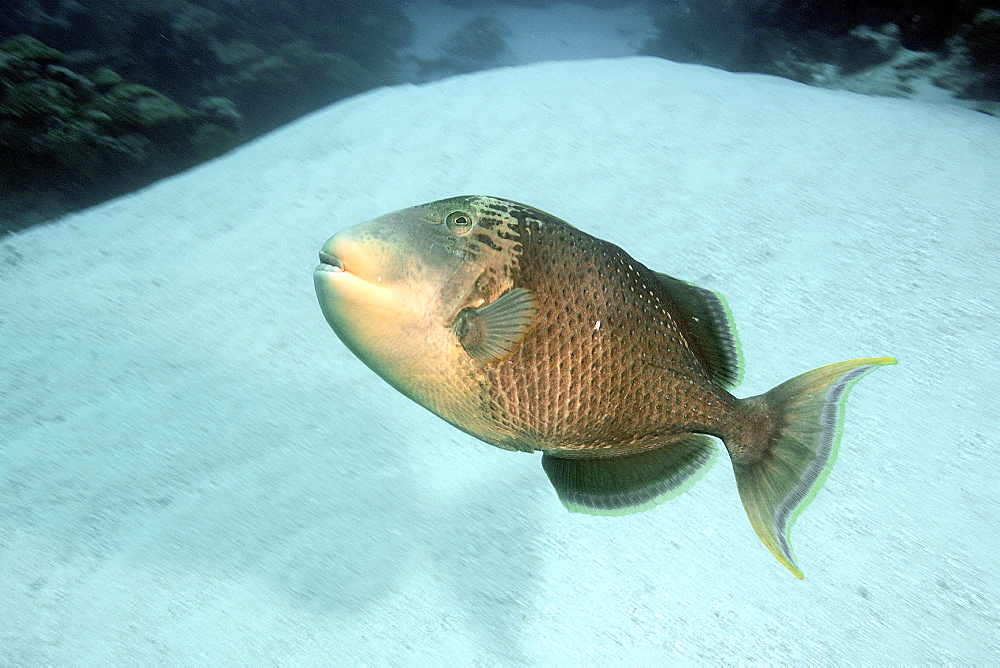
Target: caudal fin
x,y
775,478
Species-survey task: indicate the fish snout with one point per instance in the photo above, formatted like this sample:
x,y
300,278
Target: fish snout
x,y
330,263
334,256
344,256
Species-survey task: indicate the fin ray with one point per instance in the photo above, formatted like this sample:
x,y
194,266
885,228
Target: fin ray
x,y
712,335
630,483
493,332
777,480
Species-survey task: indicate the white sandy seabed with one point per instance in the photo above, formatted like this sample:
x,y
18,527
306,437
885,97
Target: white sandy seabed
x,y
194,470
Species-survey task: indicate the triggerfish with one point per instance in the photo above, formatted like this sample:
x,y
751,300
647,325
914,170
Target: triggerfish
x,y
529,334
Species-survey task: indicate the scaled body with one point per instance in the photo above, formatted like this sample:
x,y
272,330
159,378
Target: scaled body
x,y
533,335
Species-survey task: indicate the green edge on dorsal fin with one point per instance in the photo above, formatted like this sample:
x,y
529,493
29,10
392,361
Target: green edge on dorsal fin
x,y
493,332
708,321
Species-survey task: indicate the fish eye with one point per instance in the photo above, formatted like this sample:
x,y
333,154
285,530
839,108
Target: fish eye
x,y
459,222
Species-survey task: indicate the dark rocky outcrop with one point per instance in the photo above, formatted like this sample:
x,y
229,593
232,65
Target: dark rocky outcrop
x,y
880,47
107,96
70,136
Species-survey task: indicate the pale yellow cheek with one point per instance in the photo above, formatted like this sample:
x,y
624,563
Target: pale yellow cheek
x,y
399,332
389,327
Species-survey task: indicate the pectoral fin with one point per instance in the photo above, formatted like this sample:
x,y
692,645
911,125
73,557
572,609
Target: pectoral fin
x,y
494,332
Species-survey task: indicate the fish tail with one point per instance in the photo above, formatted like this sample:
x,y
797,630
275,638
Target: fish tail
x,y
785,460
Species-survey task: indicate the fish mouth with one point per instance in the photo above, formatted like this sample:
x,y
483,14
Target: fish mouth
x,y
328,262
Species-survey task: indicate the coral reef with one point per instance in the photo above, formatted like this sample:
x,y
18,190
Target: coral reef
x,y
275,60
107,96
76,138
477,45
975,54
922,49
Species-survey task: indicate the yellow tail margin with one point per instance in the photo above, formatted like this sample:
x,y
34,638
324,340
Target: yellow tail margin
x,y
789,469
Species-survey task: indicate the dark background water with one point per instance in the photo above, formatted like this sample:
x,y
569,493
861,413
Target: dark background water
x,y
107,96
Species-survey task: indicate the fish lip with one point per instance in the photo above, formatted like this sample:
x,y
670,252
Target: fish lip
x,y
330,263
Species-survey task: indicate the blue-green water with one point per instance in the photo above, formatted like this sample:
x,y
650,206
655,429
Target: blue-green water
x,y
195,471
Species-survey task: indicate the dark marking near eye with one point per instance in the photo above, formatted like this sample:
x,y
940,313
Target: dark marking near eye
x,y
523,218
486,239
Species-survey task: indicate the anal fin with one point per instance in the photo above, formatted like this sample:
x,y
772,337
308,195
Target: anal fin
x,y
630,483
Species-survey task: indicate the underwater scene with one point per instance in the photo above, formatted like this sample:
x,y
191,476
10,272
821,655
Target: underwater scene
x,y
520,333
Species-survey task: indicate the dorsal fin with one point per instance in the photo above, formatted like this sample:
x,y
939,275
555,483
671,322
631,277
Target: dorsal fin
x,y
712,335
493,332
